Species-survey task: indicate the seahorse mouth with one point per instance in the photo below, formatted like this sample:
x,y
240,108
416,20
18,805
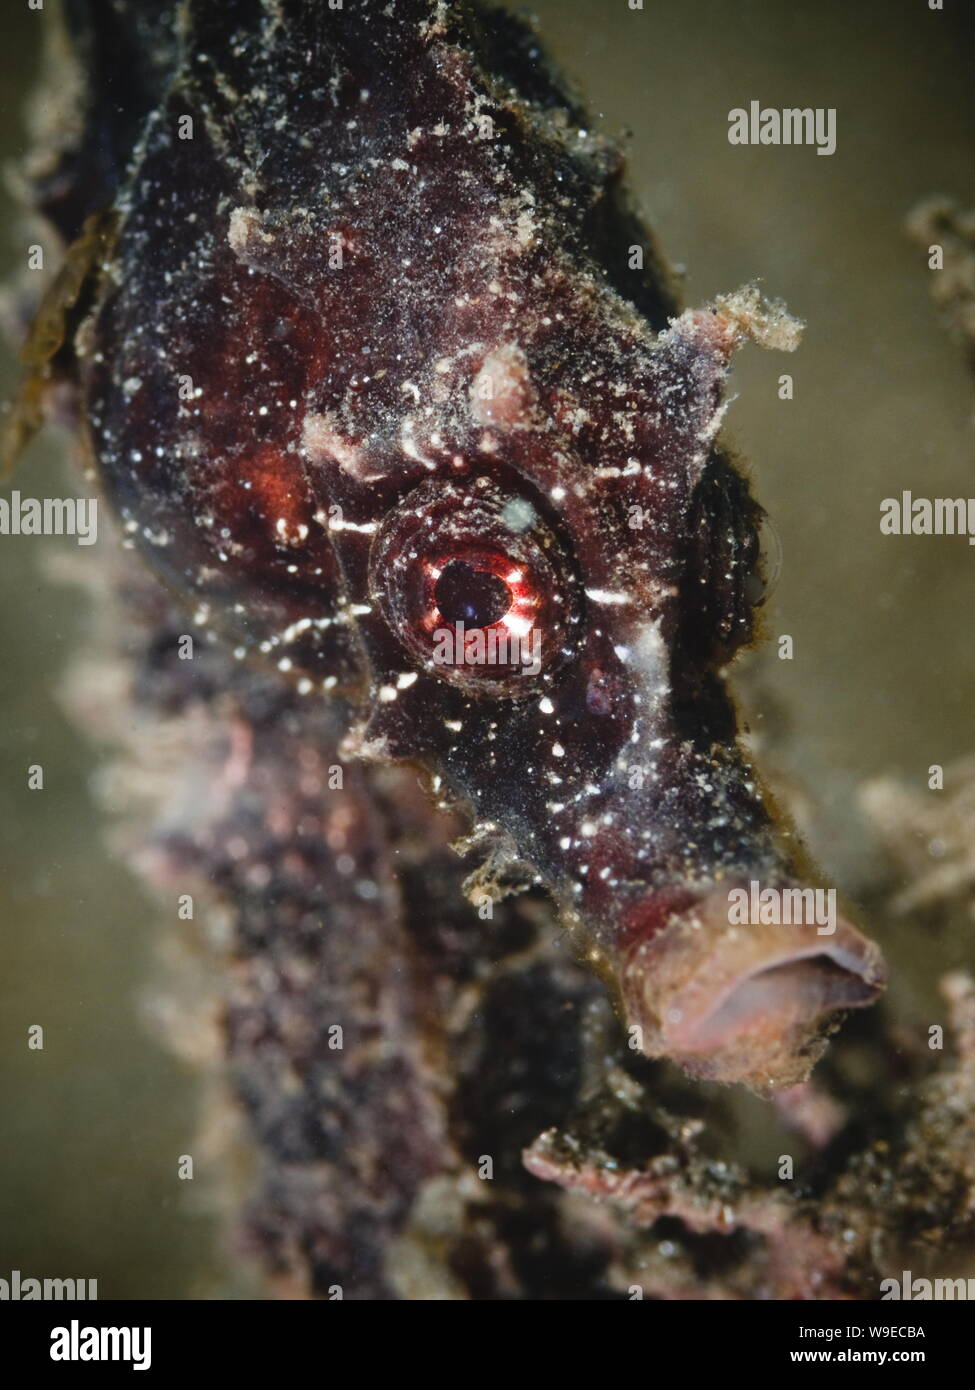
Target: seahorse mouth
x,y
747,1003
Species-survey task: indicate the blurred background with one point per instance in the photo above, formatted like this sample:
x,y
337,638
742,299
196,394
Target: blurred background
x,y
884,670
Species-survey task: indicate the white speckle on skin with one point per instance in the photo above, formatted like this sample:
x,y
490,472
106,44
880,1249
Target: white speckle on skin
x,y
501,393
608,596
518,514
246,232
323,444
365,528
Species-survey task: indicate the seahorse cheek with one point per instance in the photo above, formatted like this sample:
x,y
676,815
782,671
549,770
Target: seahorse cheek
x,y
744,1003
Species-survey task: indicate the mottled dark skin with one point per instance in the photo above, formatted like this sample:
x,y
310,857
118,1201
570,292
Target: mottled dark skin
x,y
376,316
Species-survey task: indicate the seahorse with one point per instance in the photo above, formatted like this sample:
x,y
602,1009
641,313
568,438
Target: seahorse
x,y
380,374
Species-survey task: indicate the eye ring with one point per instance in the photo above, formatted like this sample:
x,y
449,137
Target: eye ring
x,y
475,586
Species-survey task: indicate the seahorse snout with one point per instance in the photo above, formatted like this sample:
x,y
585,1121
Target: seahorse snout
x,y
752,1002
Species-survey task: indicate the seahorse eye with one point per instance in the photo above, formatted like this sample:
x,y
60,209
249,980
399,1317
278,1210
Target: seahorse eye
x,y
476,587
470,595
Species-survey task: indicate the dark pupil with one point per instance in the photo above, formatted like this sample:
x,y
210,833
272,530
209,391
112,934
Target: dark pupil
x,y
476,598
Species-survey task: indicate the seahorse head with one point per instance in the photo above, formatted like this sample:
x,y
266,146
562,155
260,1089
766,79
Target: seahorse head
x,y
367,383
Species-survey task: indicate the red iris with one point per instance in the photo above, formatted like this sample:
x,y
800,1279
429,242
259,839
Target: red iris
x,y
477,600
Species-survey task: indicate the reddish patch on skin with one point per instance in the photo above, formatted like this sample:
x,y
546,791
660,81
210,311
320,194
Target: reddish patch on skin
x,y
652,914
279,491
